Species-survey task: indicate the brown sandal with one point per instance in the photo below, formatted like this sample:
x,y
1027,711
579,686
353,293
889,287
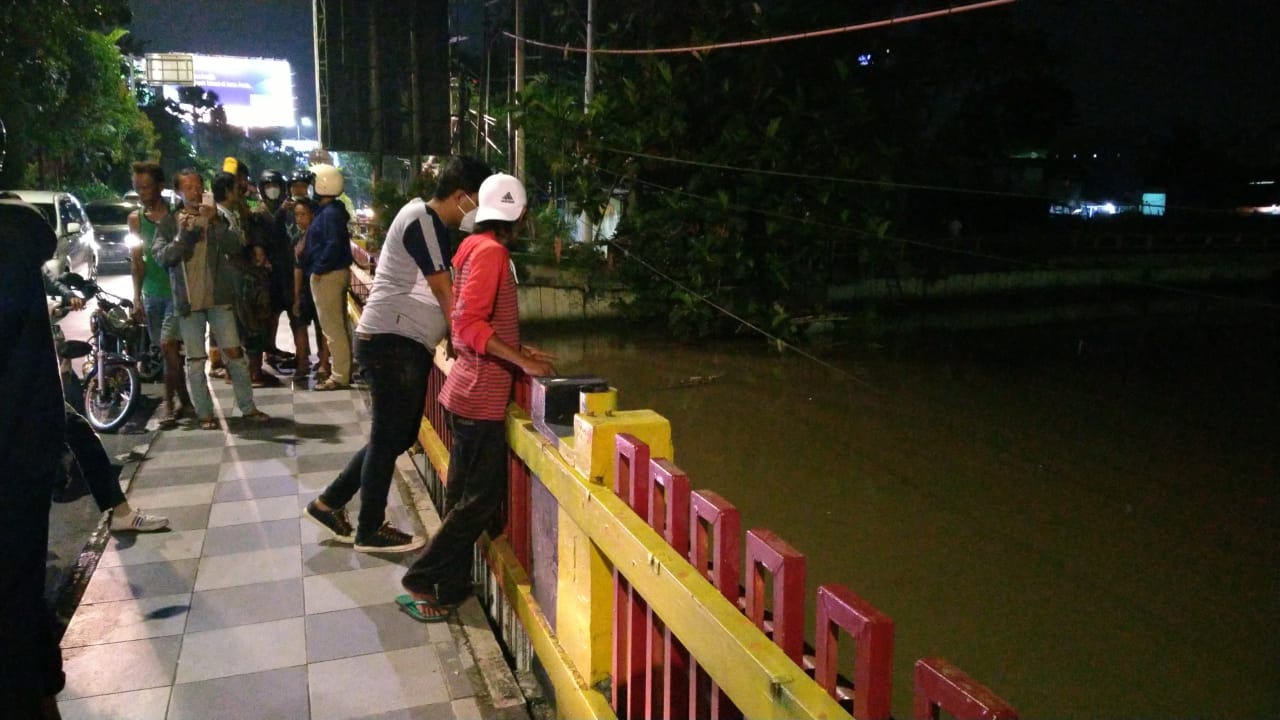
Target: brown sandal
x,y
257,416
209,423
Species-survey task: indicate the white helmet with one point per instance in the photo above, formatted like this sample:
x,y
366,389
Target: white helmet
x,y
502,197
328,180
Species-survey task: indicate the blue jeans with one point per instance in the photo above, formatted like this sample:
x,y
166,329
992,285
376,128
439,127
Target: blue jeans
x,y
474,494
396,370
221,321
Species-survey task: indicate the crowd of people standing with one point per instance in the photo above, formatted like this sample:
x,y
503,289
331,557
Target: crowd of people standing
x,y
212,277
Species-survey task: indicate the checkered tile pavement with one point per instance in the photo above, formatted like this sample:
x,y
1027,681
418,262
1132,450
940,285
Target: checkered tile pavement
x,y
242,610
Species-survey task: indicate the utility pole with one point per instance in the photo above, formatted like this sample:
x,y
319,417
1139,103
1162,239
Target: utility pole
x,y
586,231
375,92
519,149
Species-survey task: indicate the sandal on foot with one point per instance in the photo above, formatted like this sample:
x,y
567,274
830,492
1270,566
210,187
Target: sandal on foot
x,y
209,423
424,611
331,384
257,416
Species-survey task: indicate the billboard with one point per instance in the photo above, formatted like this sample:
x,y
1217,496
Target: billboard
x,y
256,92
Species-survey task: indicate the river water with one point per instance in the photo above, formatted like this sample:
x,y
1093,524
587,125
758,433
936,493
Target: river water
x,y
1083,516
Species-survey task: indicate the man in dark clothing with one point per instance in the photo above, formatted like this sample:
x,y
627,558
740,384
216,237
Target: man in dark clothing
x,y
32,431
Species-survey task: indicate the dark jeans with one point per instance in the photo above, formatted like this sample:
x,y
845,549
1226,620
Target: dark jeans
x,y
396,369
30,661
100,475
476,487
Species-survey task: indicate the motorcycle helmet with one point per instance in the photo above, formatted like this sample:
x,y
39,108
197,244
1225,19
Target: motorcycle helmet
x,y
272,181
306,178
328,180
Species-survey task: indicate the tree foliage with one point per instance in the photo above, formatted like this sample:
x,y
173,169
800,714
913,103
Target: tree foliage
x,y
696,234
70,117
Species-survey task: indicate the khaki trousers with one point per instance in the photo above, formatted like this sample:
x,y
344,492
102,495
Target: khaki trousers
x,y
329,290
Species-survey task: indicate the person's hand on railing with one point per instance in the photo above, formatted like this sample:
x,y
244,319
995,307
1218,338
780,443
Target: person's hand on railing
x,y
537,362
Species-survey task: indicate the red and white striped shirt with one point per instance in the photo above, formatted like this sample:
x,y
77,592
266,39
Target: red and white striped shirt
x,y
484,305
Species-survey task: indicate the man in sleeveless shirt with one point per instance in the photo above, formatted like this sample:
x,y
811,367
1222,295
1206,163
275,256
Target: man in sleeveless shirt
x,y
152,295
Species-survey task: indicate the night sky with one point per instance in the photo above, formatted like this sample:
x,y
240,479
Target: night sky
x,y
1131,64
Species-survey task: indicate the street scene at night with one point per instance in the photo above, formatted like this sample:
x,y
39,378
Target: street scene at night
x,y
587,359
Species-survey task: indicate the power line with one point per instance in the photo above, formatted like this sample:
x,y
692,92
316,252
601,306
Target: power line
x,y
770,40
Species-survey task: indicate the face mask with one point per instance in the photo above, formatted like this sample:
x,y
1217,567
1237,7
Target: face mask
x,y
272,192
468,222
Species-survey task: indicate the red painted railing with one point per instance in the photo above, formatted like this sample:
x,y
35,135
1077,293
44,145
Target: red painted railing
x,y
872,631
939,685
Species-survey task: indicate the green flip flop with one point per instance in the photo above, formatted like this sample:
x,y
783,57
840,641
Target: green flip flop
x,y
413,608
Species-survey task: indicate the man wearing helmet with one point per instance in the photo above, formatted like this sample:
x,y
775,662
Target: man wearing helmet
x,y
328,259
270,230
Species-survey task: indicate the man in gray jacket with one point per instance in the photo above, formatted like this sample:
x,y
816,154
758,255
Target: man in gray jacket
x,y
202,261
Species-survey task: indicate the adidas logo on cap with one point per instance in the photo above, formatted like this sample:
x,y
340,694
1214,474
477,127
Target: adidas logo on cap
x,y
507,198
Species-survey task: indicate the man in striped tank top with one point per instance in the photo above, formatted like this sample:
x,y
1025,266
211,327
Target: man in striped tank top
x,y
485,332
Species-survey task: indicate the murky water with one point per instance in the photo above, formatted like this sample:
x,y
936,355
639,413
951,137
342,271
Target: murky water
x,y
1083,518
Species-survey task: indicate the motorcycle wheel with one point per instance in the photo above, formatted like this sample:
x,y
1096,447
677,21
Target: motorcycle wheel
x,y
151,365
123,390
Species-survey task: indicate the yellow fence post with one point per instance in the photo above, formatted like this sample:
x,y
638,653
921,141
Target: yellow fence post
x,y
584,597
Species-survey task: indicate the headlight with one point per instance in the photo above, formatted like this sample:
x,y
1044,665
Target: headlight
x,y
132,241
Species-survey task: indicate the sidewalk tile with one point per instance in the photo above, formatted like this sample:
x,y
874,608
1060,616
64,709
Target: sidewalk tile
x,y
346,445
190,517
245,605
253,511
228,539
361,631
172,496
248,568
383,683
147,704
323,559
255,487
327,431
123,620
269,695
242,649
356,588
260,451
186,440
315,481
139,548
181,458
118,667
333,462
139,581
257,468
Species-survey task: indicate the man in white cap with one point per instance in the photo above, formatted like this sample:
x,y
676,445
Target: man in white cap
x,y
485,331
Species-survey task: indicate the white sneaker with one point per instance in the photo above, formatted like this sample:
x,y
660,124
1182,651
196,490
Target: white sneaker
x,y
138,521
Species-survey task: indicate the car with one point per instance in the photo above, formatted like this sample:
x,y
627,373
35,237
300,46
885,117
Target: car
x,y
77,248
110,220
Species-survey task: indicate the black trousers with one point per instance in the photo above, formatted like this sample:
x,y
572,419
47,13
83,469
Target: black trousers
x,y
477,485
396,370
102,477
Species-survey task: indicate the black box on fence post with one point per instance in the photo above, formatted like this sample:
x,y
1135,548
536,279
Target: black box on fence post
x,y
555,400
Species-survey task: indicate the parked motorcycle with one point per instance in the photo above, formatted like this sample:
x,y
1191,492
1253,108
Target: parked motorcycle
x,y
112,388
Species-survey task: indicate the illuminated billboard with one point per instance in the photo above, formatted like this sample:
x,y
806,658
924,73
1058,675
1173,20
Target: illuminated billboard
x,y
256,92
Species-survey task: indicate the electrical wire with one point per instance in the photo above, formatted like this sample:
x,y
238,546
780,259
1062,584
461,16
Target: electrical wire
x,y
917,17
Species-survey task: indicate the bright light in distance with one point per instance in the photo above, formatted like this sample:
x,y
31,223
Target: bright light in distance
x,y
1109,209
864,59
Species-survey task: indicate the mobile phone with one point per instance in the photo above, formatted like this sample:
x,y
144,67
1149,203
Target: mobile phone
x,y
207,198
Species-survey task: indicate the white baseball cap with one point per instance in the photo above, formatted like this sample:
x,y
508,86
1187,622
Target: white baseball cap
x,y
502,197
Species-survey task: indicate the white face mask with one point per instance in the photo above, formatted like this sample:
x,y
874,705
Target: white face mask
x,y
468,222
272,192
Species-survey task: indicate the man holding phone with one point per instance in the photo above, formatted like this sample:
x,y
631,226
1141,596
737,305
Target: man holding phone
x,y
200,259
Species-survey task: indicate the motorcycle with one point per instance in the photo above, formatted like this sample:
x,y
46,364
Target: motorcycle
x,y
112,387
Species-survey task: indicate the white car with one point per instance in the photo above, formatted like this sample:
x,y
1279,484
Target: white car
x,y
77,245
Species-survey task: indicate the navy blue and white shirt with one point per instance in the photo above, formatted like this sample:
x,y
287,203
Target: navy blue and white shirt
x,y
401,302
